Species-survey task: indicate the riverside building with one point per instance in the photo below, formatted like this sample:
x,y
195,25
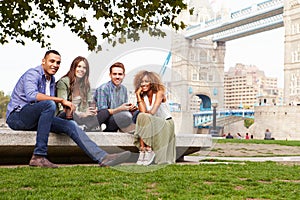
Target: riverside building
x,y
245,86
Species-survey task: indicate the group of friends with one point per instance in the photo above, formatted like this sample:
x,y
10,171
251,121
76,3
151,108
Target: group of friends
x,y
238,136
68,107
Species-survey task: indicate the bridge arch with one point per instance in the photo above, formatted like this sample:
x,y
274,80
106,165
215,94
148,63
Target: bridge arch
x,y
205,103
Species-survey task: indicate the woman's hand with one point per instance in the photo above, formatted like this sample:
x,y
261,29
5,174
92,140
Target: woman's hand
x,y
91,111
138,92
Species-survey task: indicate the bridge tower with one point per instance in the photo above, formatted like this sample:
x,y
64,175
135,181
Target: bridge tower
x,y
197,68
198,65
292,52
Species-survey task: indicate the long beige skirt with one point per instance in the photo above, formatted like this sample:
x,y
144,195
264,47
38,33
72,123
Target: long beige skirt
x,y
159,134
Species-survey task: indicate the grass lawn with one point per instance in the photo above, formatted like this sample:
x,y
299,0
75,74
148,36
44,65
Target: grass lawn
x,y
266,180
244,180
279,142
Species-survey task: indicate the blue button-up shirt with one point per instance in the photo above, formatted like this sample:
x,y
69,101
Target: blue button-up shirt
x,y
32,82
108,96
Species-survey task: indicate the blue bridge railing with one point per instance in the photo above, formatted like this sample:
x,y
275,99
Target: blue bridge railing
x,y
204,117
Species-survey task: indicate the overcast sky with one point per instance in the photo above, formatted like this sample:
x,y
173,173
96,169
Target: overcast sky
x,y
265,50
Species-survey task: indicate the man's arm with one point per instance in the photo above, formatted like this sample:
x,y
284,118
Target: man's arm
x,y
65,103
101,96
123,107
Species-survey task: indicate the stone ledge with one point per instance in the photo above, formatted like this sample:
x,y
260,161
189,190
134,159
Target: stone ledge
x,y
17,146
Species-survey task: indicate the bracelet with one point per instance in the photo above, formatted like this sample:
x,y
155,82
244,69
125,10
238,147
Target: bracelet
x,y
139,101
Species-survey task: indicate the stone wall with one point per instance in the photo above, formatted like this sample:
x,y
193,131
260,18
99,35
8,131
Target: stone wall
x,y
283,122
236,127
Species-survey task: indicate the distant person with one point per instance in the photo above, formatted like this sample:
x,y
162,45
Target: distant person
x,y
155,129
247,136
229,136
32,107
111,98
75,87
251,137
239,136
268,135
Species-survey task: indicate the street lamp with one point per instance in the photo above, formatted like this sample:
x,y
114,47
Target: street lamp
x,y
214,131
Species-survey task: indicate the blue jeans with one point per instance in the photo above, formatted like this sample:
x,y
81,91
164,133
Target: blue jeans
x,y
40,117
116,121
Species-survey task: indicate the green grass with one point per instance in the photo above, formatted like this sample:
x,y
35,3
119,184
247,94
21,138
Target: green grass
x,y
279,142
266,180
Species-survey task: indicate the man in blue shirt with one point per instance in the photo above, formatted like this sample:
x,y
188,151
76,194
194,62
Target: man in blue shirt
x,y
111,98
32,107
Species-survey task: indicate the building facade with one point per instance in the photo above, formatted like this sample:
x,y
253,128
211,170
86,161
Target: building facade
x,y
197,65
245,86
292,52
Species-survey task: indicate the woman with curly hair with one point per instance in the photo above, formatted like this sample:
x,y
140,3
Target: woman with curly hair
x,y
155,131
75,87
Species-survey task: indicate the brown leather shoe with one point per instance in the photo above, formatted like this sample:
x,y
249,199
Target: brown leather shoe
x,y
41,161
115,159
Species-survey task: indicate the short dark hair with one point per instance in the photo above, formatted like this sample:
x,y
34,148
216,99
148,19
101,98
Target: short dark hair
x,y
117,64
51,51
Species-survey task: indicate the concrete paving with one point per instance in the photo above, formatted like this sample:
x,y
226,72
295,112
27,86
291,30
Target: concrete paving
x,y
195,160
252,159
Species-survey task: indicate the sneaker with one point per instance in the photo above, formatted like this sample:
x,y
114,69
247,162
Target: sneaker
x,y
115,159
41,161
131,132
140,160
149,157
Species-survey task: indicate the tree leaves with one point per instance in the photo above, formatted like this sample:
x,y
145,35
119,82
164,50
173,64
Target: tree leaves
x,y
119,21
4,99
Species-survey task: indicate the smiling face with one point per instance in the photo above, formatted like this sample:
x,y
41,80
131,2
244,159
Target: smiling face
x,y
145,84
51,64
80,70
117,75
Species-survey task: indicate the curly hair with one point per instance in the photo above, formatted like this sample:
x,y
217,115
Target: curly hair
x,y
85,83
155,80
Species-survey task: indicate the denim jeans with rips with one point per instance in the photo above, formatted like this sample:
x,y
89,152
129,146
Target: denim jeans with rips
x,y
40,117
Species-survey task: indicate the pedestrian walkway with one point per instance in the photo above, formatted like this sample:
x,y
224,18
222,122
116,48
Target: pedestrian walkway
x,y
194,160
252,159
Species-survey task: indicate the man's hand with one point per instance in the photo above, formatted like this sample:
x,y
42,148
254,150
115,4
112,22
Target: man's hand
x,y
69,108
133,108
69,104
126,106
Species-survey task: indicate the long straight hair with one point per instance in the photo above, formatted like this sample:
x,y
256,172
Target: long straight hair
x,y
84,82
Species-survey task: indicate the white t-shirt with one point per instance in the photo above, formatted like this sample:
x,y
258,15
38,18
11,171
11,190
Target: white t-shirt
x,y
162,111
48,87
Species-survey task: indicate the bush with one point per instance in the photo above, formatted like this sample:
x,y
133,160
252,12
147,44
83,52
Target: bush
x,y
248,122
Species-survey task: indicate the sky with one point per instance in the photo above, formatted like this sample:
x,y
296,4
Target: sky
x,y
265,50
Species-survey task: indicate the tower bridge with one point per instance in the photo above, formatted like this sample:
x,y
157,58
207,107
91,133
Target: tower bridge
x,y
257,18
204,119
198,55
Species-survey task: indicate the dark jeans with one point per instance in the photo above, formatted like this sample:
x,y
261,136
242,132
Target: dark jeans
x,y
90,121
269,138
40,117
117,121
